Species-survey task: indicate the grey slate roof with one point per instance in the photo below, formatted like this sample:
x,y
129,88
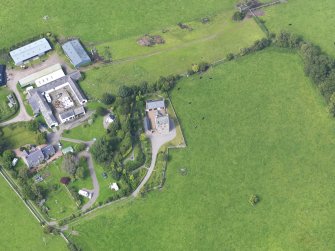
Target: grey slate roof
x,y
155,104
40,105
76,53
30,50
2,74
48,151
79,110
66,114
35,158
38,156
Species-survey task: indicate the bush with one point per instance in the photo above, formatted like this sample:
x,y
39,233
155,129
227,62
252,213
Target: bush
x,y
253,200
65,180
101,111
79,147
108,99
230,56
238,16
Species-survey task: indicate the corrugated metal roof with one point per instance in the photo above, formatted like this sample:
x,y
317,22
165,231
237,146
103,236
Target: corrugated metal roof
x,y
76,53
155,104
30,50
30,79
2,74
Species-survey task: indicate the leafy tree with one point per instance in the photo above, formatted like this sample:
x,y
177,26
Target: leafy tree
x,y
81,172
107,99
238,16
107,54
32,125
101,111
195,67
103,150
70,164
79,147
124,91
230,56
7,158
41,138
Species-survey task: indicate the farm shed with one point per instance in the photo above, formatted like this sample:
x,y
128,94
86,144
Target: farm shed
x,y
43,76
76,53
34,49
3,77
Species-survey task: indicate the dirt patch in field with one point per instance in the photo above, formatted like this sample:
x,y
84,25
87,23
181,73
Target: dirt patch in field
x,y
258,13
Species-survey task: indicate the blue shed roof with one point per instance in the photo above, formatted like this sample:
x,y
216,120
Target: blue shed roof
x,y
30,50
76,53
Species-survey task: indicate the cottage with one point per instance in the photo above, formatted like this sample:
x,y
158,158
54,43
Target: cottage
x,y
157,118
38,156
29,51
76,53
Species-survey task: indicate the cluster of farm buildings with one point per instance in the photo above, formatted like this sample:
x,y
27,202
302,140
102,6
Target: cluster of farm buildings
x,y
51,92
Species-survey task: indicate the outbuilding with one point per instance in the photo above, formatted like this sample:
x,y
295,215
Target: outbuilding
x,y
3,77
76,53
35,49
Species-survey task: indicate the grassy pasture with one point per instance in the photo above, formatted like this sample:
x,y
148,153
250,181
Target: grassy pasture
x,y
133,63
19,230
312,19
267,132
98,20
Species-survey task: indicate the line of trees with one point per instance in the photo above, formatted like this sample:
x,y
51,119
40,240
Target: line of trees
x,y
319,66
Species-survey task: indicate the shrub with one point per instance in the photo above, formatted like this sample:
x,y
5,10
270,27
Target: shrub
x,y
65,180
238,16
230,56
253,200
107,99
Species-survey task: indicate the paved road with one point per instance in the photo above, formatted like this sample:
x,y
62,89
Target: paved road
x,y
96,187
156,142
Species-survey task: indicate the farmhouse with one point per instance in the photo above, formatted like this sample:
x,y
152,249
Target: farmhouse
x,y
44,76
76,53
3,77
38,156
29,51
157,116
60,98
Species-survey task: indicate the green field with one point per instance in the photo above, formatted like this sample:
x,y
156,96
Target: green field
x,y
99,21
312,19
18,225
266,131
207,42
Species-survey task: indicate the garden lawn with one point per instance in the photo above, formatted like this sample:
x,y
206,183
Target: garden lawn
x,y
19,229
87,132
266,131
314,20
5,112
208,42
59,201
18,135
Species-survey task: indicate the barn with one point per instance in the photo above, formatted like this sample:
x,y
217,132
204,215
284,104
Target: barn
x,y
76,53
